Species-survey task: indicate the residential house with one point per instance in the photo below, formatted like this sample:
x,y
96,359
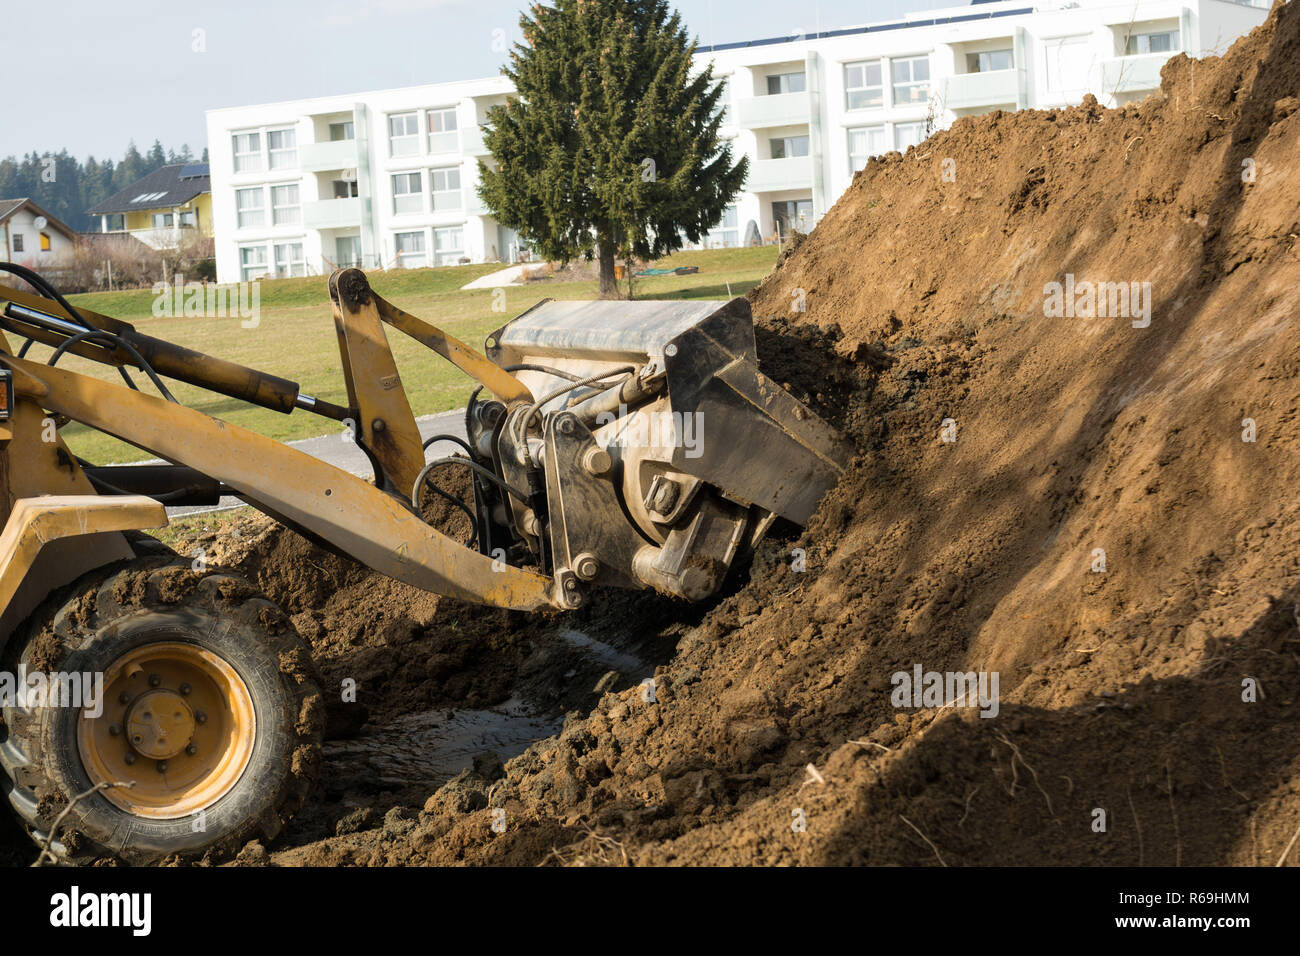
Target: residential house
x,y
30,236
163,208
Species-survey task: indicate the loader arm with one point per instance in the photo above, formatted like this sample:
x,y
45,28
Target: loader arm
x,y
348,512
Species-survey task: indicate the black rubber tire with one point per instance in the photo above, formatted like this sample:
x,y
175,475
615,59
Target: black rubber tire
x,y
94,622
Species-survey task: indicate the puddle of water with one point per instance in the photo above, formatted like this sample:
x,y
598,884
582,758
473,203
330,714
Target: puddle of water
x,y
432,747
625,664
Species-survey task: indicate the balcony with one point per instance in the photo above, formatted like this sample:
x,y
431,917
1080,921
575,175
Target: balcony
x,y
331,213
773,175
471,141
1130,74
996,88
473,205
779,109
316,157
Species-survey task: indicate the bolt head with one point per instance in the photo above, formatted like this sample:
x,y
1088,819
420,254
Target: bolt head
x,y
154,680
162,766
597,461
185,690
565,425
124,698
114,730
586,566
129,758
200,717
192,749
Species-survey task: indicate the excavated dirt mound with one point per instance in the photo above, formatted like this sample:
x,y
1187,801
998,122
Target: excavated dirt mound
x,y
1098,534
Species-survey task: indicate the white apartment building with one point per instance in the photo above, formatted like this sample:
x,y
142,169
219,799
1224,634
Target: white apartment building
x,y
387,179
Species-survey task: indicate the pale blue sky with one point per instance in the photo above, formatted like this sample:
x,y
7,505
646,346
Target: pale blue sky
x,y
89,75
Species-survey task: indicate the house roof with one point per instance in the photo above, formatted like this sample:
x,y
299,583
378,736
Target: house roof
x,y
164,188
10,206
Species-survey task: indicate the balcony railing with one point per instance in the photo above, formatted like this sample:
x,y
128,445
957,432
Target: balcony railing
x,y
331,213
772,175
473,205
1128,74
968,90
339,154
471,141
779,109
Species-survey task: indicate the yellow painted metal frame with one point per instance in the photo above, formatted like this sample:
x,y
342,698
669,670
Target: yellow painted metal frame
x,y
350,513
34,522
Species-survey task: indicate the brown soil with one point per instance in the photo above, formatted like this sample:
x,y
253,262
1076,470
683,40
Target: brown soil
x,y
1120,690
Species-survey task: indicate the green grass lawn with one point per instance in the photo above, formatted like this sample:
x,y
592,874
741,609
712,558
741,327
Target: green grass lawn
x,y
295,336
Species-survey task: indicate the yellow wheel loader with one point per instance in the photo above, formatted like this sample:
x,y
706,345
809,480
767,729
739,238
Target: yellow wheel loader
x,y
165,708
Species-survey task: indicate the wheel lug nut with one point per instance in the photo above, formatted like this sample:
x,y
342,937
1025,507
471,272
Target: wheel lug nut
x,y
129,758
162,766
124,698
185,690
154,680
114,730
192,749
201,717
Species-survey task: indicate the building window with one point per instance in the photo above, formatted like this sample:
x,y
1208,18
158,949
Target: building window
x,y
18,242
282,146
445,185
448,245
792,214
410,250
403,134
189,219
911,80
162,220
252,262
865,142
724,99
442,131
788,147
285,210
342,132
1164,41
864,86
248,152
115,222
786,83
406,193
345,188
45,242
726,232
249,208
990,61
908,134
289,260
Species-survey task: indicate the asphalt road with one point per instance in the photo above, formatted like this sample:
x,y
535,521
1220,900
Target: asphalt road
x,y
339,450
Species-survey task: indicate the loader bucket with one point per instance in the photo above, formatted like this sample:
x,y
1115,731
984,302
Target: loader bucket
x,y
755,442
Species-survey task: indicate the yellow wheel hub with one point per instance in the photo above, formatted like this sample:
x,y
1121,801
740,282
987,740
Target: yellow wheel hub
x,y
177,724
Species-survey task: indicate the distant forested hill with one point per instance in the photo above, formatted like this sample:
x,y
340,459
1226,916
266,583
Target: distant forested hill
x,y
66,187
